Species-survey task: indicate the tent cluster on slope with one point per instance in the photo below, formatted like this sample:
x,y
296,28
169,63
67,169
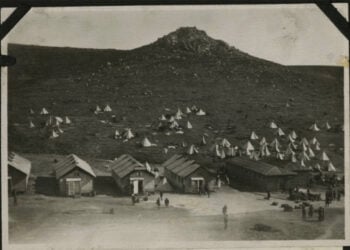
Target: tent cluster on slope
x,y
98,110
53,123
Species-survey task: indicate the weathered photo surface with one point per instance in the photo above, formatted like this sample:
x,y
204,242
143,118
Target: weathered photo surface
x,y
176,124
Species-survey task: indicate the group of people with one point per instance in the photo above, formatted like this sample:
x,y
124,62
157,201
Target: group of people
x,y
331,195
311,211
160,198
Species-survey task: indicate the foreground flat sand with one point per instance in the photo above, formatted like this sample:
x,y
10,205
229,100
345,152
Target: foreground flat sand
x,y
43,219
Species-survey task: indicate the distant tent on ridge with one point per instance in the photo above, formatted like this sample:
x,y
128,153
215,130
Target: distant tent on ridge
x,y
67,120
189,125
107,109
331,168
188,110
328,127
280,132
53,135
273,125
31,124
44,111
128,134
324,156
192,150
314,127
200,112
254,136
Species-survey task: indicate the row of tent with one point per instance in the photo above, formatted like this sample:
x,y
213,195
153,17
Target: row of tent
x,y
98,110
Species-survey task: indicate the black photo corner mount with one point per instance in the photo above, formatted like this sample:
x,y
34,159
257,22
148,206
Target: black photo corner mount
x,y
22,7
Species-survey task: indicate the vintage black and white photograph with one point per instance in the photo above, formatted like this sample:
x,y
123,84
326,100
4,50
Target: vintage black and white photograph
x,y
176,124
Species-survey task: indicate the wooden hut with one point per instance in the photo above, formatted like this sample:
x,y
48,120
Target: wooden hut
x,y
75,176
131,176
18,172
257,175
185,175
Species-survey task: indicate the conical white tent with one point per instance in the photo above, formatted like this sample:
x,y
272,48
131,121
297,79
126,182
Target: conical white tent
x,y
172,119
263,141
58,119
98,109
165,150
311,153
314,127
317,147
31,111
290,139
280,132
31,124
188,110
254,136
273,125
162,118
328,127
107,109
67,120
128,134
184,144
116,134
174,125
302,163
146,143
225,143
293,135
178,115
189,125
53,134
248,147
331,168
200,112
293,159
324,156
192,150
313,141
44,111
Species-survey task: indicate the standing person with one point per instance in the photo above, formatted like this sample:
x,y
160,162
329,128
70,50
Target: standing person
x,y
303,209
268,194
133,199
166,201
161,195
311,211
224,209
225,221
158,202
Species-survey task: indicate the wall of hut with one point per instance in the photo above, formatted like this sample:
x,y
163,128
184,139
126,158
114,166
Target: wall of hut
x,y
86,184
18,180
124,184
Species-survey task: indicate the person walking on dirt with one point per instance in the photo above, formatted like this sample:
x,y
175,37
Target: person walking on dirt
x,y
133,199
268,195
158,202
224,210
166,201
161,195
225,221
311,211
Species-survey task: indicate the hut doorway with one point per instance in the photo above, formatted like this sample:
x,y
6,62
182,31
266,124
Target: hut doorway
x,y
197,184
73,186
137,185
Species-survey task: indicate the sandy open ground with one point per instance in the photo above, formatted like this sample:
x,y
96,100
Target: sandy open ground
x,y
43,219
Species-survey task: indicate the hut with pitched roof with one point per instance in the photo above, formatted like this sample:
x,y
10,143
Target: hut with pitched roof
x,y
75,176
185,175
131,176
18,172
257,175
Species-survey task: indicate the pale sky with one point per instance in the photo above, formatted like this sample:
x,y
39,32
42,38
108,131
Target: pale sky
x,y
290,35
